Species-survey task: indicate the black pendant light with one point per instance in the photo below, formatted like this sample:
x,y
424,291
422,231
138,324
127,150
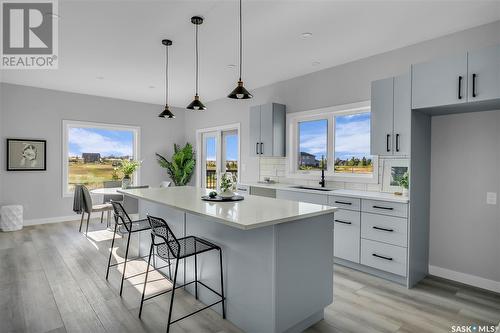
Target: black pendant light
x,y
196,104
166,113
240,92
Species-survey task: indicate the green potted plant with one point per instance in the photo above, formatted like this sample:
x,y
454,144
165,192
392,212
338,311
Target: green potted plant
x,y
227,185
128,167
181,167
404,182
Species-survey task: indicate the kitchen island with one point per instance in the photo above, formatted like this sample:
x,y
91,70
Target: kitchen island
x,y
277,254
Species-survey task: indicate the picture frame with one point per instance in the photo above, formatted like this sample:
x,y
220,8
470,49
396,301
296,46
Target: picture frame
x,y
26,155
393,168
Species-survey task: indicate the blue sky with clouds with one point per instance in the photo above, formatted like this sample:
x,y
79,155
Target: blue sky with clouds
x,y
98,140
231,148
352,136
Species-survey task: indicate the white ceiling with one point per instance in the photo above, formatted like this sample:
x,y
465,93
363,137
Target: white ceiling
x,y
120,41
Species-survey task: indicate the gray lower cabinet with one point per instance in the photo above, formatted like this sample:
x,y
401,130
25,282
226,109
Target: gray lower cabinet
x,y
440,82
267,130
391,116
346,235
484,74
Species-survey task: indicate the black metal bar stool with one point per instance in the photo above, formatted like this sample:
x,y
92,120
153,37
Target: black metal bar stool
x,y
124,225
168,247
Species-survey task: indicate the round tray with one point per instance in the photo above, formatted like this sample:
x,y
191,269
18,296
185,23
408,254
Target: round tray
x,y
221,199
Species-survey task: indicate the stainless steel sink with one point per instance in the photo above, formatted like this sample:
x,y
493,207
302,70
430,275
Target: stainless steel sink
x,y
324,189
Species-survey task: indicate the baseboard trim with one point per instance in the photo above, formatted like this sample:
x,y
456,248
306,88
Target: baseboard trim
x,y
59,219
464,278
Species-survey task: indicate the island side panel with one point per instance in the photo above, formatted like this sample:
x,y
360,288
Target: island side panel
x,y
248,263
304,272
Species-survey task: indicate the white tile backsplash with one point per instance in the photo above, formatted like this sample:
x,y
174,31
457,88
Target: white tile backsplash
x,y
276,168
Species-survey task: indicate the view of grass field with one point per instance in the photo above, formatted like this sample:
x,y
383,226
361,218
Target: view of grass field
x,y
91,175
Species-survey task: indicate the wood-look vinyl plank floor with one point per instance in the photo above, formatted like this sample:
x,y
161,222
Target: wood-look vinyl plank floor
x,y
52,279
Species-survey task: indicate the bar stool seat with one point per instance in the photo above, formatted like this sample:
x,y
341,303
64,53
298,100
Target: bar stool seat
x,y
134,226
170,248
188,246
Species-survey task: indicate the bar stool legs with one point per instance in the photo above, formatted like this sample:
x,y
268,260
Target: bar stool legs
x,y
111,251
222,286
125,262
81,222
172,296
146,279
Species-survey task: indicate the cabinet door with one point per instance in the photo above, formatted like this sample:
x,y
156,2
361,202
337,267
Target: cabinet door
x,y
254,143
484,74
440,82
266,130
402,115
346,235
382,107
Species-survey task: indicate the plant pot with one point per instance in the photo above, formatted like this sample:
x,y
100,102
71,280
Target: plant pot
x,y
227,194
126,182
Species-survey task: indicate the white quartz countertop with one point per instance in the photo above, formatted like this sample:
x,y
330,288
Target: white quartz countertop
x,y
252,212
347,193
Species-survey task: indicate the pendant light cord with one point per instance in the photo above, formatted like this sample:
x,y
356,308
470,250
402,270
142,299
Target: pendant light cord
x,y
166,75
196,51
241,42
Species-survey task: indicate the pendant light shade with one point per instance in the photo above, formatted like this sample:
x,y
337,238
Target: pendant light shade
x,y
240,92
196,104
166,113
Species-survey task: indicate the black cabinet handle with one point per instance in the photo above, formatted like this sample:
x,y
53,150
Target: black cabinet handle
x,y
340,221
397,142
383,229
261,148
343,202
381,257
386,208
387,142
474,85
460,78
257,148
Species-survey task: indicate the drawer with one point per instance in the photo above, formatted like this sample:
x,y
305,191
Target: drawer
x,y
389,258
385,207
243,189
387,229
345,202
263,191
346,235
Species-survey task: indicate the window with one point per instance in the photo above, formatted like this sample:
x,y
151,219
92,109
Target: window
x,y
92,153
218,149
352,144
313,144
339,135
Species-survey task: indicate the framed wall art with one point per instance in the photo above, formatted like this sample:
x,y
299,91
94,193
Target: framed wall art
x,y
26,155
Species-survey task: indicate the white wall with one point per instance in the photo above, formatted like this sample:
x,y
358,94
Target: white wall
x,y
339,85
38,113
465,164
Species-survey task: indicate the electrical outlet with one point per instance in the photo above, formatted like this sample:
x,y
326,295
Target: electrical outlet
x,y
491,198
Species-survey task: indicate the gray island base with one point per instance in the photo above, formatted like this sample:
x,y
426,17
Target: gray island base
x,y
277,254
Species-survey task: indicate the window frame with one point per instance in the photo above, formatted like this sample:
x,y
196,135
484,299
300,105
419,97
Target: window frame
x,y
329,113
67,124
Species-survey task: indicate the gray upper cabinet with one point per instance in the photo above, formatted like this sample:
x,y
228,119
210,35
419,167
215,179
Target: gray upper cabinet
x,y
391,116
267,130
382,109
440,82
484,74
402,115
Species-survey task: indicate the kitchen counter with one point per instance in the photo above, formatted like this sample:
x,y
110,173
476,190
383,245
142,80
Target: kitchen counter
x,y
267,245
253,212
347,193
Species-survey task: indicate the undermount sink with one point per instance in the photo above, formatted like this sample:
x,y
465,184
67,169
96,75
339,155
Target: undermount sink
x,y
313,188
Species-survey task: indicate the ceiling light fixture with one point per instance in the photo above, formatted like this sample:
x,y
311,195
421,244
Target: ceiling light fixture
x,y
306,34
240,92
166,113
196,104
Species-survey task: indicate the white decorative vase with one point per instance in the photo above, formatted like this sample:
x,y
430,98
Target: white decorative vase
x,y
126,182
227,194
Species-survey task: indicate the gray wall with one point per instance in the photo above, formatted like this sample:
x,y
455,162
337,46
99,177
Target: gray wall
x,y
334,86
38,113
465,164
2,146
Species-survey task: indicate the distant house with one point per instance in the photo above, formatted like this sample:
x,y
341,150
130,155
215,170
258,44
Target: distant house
x,y
307,159
91,157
